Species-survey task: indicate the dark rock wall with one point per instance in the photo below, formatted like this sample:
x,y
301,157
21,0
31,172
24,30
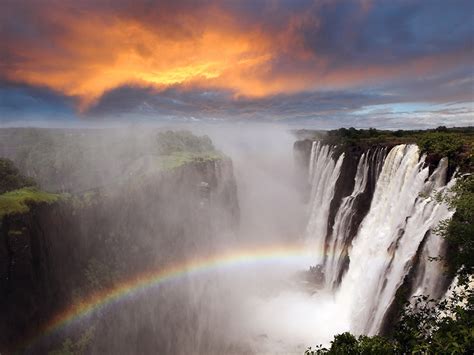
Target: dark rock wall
x,y
56,254
345,182
360,208
302,154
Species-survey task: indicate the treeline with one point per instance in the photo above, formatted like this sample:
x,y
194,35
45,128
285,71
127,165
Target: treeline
x,y
10,177
72,160
455,143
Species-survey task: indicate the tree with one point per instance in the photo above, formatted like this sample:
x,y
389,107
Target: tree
x,y
10,177
459,230
183,141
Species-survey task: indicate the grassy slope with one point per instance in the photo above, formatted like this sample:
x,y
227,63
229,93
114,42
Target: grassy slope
x,y
178,159
20,201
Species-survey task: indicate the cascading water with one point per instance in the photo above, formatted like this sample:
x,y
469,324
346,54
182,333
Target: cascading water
x,y
324,172
430,278
340,230
395,230
349,212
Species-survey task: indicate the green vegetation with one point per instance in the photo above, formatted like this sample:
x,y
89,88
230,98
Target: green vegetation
x,y
63,160
455,143
347,343
457,147
10,177
428,326
75,160
79,160
175,160
183,141
178,148
438,327
20,201
459,230
18,192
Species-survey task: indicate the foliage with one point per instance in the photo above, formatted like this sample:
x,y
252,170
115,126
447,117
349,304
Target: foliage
x,y
51,157
347,343
75,160
459,230
427,327
377,345
455,143
10,177
80,160
19,201
433,326
170,142
178,148
175,160
441,144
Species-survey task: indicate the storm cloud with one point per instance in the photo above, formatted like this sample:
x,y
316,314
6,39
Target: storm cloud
x,y
293,61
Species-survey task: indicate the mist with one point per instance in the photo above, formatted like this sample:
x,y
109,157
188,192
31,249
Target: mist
x,y
236,177
280,314
212,239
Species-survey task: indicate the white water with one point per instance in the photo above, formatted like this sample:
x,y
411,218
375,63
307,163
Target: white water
x,y
429,280
324,172
390,236
342,223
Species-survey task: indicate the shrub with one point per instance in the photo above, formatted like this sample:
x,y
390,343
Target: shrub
x,y
19,201
441,143
170,142
430,326
10,177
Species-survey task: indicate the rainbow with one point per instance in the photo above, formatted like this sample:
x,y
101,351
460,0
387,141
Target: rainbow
x,y
154,278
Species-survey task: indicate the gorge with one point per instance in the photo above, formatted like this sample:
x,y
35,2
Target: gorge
x,y
255,242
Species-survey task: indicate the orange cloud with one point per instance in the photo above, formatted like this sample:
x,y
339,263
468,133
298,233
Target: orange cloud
x,y
94,55
84,53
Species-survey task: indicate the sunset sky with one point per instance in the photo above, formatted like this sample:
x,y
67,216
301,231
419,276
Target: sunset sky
x,y
322,63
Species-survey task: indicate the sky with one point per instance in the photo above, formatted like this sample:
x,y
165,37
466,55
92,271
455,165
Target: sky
x,y
320,63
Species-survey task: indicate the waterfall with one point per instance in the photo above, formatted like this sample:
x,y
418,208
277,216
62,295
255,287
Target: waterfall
x,y
384,248
377,250
349,215
430,279
342,222
323,174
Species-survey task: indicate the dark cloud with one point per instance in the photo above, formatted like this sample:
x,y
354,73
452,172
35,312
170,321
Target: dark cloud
x,y
26,102
309,60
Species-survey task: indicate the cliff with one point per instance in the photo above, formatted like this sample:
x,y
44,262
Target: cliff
x,y
398,233
454,143
54,254
345,182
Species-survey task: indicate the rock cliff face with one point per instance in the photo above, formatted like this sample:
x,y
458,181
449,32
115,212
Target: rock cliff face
x,y
345,181
370,222
57,253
